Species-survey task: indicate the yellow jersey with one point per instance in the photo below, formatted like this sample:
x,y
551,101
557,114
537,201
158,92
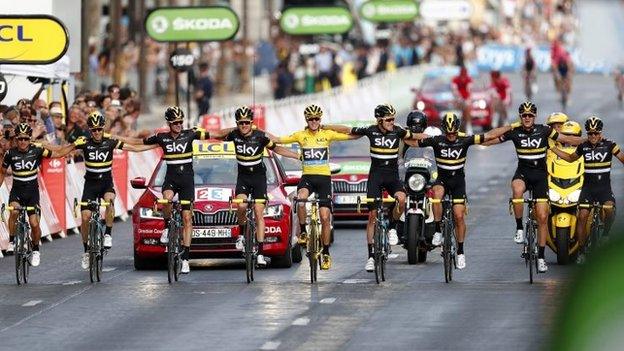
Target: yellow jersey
x,y
314,148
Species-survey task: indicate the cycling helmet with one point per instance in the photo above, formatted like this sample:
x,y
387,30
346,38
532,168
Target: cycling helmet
x,y
571,128
95,120
312,111
527,108
557,117
384,110
450,123
243,113
174,114
23,129
416,121
593,124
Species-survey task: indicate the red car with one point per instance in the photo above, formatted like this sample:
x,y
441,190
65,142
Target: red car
x,y
435,97
354,160
215,228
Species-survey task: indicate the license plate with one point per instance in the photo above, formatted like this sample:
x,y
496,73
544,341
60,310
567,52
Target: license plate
x,y
212,233
346,199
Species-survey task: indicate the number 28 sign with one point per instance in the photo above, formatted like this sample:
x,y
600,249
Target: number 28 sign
x,y
213,194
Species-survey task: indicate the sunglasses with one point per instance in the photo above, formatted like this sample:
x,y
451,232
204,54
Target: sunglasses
x,y
313,119
593,133
23,139
391,119
177,123
243,123
96,130
527,116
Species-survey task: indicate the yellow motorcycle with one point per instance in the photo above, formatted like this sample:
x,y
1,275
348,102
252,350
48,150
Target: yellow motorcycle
x,y
565,181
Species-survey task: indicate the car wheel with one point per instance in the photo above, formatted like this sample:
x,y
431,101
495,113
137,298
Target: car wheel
x,y
284,261
141,264
297,256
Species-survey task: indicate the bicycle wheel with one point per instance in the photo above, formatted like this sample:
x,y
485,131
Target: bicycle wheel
x,y
92,252
384,254
171,256
26,256
446,254
99,261
313,254
249,254
531,251
19,258
177,259
378,247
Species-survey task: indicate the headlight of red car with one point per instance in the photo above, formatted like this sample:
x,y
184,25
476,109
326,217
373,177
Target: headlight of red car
x,y
480,104
149,213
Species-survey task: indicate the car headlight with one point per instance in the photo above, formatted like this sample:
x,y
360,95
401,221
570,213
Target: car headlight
x,y
416,182
148,213
481,104
420,105
574,196
553,195
274,211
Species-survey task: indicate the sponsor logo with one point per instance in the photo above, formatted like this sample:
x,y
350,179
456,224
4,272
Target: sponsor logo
x,y
32,39
389,10
176,147
450,153
385,142
26,165
314,154
316,20
214,23
97,156
272,230
531,142
55,163
246,150
596,156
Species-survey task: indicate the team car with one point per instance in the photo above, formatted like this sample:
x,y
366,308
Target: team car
x,y
215,227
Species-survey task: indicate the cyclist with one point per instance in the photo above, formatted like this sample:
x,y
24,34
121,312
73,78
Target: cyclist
x,y
251,180
384,138
529,74
501,96
562,68
450,151
177,146
314,141
530,142
597,153
461,85
98,156
24,160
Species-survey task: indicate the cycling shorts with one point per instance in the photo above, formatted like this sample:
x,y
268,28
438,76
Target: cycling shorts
x,y
95,189
563,68
252,184
319,184
26,195
534,179
596,192
181,184
455,185
378,180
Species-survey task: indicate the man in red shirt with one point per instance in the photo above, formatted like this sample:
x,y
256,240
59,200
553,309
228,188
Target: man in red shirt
x,y
562,69
461,85
502,96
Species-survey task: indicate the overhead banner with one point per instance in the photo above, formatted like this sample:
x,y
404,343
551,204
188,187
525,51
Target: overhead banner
x,y
181,24
316,20
389,11
32,39
446,10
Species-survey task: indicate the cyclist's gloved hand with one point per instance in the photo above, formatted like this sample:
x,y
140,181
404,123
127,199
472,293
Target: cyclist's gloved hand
x,y
107,135
80,141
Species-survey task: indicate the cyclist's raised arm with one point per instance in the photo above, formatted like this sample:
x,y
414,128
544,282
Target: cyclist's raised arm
x,y
221,133
286,139
568,139
618,153
128,140
63,151
286,152
338,128
138,148
564,155
498,132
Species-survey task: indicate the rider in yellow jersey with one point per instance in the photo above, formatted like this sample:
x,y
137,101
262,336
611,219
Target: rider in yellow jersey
x,y
314,142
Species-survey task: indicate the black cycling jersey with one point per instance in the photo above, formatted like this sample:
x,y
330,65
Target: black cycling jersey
x,y
98,157
178,152
451,155
250,150
531,145
598,160
384,146
25,164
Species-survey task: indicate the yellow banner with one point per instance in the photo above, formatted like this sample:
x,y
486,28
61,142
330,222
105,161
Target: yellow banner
x,y
37,39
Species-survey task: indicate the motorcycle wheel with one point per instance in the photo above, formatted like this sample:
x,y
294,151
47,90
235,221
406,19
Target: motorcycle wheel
x,y
563,245
413,231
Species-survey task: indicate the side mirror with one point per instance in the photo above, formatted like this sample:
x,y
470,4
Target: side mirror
x,y
292,180
138,183
334,168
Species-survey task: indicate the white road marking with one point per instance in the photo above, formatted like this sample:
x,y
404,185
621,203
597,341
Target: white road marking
x,y
301,321
72,282
356,281
31,303
270,345
484,189
328,300
393,255
108,269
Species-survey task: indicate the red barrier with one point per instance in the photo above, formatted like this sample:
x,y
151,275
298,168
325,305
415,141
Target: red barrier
x,y
211,123
53,183
259,116
120,175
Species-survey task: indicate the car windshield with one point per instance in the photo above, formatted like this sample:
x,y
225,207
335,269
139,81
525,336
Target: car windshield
x,y
419,152
436,85
209,171
289,164
352,148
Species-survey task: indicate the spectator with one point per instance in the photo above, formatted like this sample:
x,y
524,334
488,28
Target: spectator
x,y
73,130
283,82
203,89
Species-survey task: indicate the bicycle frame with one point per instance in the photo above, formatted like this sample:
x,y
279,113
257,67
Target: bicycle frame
x,y
529,249
449,246
250,254
597,226
95,238
313,247
174,261
22,241
381,243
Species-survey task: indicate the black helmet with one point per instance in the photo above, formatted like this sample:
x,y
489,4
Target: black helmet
x,y
95,120
312,111
527,108
384,110
23,129
174,114
450,123
593,124
243,113
416,121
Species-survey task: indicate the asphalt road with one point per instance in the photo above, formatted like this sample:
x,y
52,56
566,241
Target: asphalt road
x,y
490,305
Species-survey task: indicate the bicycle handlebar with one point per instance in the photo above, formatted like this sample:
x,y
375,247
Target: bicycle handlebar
x,y
376,200
14,208
531,201
247,201
596,205
452,201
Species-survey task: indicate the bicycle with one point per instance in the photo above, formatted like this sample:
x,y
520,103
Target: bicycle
x,y
174,245
381,244
250,252
22,240
529,249
313,246
596,230
449,245
95,238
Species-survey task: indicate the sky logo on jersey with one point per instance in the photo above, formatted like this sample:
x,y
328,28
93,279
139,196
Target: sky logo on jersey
x,y
176,147
247,150
596,156
315,155
98,156
385,142
25,165
530,142
450,153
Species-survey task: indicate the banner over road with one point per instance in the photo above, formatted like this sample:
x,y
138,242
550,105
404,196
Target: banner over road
x,y
182,24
